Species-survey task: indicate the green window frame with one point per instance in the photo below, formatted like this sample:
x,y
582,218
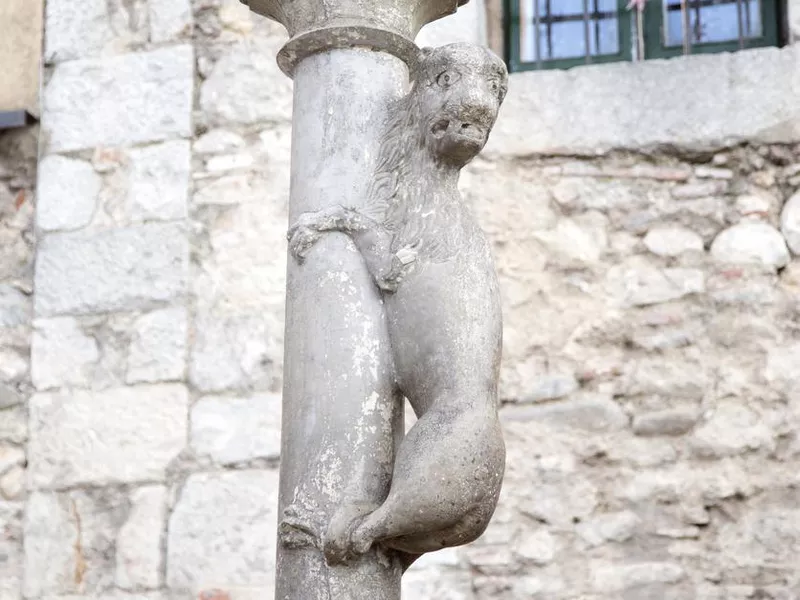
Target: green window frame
x,y
654,46
513,36
654,33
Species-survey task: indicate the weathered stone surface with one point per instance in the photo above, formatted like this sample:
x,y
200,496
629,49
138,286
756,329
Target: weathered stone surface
x,y
790,223
672,241
13,366
111,270
587,109
208,548
61,354
118,435
235,353
138,557
12,484
10,457
607,577
610,527
245,85
50,536
751,242
15,308
14,425
158,346
100,27
159,182
11,514
9,397
645,285
67,193
665,422
129,99
733,428
579,240
216,141
586,411
232,430
170,19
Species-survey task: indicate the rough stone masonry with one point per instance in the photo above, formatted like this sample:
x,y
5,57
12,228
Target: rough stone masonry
x,y
647,256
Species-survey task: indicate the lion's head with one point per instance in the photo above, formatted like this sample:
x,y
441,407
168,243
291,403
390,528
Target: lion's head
x,y
459,89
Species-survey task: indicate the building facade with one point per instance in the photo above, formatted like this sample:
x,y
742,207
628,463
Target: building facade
x,y
645,217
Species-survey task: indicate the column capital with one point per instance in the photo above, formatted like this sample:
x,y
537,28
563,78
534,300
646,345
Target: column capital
x,y
318,25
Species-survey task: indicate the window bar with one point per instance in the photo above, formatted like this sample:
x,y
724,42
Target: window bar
x,y
537,34
549,22
749,25
587,35
697,29
596,16
687,36
740,23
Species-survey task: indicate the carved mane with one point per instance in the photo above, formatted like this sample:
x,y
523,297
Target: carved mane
x,y
398,192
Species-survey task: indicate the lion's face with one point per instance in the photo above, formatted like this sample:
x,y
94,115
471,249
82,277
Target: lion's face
x,y
461,88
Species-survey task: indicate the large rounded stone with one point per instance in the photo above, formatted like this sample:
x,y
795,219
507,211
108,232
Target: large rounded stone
x,y
790,223
752,243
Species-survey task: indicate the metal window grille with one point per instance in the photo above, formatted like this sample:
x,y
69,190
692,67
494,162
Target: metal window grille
x,y
542,34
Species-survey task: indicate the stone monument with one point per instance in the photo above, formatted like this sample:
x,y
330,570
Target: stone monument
x,y
391,293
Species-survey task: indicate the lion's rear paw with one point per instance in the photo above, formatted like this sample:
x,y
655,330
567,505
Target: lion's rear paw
x,y
339,544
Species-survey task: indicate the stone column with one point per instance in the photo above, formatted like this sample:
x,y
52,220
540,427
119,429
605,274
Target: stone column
x,y
341,418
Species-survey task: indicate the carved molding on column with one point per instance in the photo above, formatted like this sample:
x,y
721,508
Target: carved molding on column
x,y
390,25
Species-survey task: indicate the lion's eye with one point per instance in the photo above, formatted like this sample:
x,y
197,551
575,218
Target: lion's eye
x,y
447,78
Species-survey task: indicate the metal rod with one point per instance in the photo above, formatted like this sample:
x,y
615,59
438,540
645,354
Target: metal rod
x,y
587,35
739,23
596,19
548,11
687,42
537,33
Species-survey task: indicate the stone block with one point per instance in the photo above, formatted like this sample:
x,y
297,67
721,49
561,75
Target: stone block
x,y
645,285
11,558
125,100
665,422
591,412
159,181
233,353
751,243
733,428
100,27
138,556
13,366
589,109
20,56
211,548
61,354
609,527
111,270
245,84
672,241
15,308
50,542
170,20
14,425
232,430
12,484
611,577
67,193
117,435
158,346
790,223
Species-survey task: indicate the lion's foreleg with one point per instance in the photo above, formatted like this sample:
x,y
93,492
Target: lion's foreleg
x,y
371,238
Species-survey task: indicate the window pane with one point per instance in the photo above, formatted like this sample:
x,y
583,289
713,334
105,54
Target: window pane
x,y
564,29
713,20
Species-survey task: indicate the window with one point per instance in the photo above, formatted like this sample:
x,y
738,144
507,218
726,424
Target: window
x,y
542,34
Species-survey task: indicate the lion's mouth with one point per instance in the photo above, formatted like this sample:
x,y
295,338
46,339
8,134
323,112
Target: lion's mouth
x,y
458,129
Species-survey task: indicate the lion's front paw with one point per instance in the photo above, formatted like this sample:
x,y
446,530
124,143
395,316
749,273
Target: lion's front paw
x,y
302,236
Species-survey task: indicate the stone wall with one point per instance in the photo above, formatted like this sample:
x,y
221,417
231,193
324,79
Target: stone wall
x,y
645,256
